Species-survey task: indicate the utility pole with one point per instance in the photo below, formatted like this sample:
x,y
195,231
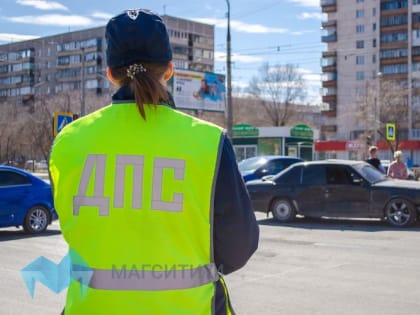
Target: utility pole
x,y
82,99
229,116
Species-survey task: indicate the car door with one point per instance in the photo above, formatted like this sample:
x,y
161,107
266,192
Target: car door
x,y
14,191
345,195
311,197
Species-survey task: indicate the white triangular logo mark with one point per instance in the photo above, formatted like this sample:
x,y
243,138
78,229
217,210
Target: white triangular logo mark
x,y
133,14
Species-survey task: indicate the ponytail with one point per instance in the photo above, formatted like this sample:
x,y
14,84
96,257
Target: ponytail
x,y
144,79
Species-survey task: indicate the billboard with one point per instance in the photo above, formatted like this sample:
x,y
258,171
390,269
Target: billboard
x,y
199,90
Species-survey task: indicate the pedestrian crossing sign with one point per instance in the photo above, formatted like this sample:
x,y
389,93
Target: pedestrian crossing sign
x,y
61,119
390,131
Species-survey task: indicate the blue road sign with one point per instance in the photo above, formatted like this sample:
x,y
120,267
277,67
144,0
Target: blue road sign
x,y
61,119
390,131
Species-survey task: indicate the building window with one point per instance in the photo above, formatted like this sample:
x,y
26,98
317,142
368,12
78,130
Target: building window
x,y
374,27
360,1
373,11
373,58
374,42
394,69
360,44
416,1
401,36
360,28
416,34
360,13
394,5
390,20
416,51
360,75
395,53
360,60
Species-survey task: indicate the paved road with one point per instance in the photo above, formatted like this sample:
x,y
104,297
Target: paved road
x,y
306,267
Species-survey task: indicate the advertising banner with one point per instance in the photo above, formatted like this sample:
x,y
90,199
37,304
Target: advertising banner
x,y
199,90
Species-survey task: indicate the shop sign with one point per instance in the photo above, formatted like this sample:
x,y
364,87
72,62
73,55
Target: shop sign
x,y
245,131
301,131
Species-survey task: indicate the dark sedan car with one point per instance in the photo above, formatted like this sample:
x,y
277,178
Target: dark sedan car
x,y
25,200
260,166
336,189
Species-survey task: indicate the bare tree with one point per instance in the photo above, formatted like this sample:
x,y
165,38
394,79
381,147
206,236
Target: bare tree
x,y
381,104
277,88
9,124
26,131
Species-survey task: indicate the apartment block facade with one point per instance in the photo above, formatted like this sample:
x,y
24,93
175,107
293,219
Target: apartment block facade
x,y
367,43
76,60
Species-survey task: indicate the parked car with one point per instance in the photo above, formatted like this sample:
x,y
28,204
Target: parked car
x,y
336,189
25,200
41,165
260,166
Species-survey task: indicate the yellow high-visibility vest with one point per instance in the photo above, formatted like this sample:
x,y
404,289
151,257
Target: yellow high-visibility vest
x,y
135,200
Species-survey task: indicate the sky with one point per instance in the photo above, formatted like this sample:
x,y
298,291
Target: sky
x,y
273,31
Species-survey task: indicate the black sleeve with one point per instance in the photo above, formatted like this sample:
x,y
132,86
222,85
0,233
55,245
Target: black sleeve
x,y
236,232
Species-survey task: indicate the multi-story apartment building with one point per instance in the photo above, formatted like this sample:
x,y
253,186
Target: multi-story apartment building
x,y
368,42
76,60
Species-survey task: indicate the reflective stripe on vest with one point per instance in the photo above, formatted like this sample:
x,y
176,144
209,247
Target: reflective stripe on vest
x,y
153,280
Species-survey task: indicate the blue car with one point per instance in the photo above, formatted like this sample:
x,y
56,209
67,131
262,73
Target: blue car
x,y
260,166
25,200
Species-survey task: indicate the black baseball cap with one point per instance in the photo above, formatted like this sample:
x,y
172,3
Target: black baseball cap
x,y
136,35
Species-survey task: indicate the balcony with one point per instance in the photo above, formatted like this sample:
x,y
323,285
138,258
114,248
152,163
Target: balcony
x,y
331,98
329,23
329,83
329,128
329,113
329,68
328,6
329,80
329,64
329,53
396,6
329,38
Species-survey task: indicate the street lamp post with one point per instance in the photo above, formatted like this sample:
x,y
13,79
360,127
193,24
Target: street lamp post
x,y
82,98
229,116
378,98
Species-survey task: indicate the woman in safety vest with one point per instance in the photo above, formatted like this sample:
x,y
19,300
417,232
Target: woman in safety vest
x,y
150,200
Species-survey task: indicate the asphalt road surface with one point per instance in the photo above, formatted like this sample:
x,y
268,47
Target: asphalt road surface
x,y
305,267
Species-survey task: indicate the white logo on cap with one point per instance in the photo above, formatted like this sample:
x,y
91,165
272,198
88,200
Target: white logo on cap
x,y
133,14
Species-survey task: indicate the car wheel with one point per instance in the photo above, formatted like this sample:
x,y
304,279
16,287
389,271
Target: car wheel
x,y
400,212
283,210
36,220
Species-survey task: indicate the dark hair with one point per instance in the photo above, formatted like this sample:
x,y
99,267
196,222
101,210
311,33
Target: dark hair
x,y
146,86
